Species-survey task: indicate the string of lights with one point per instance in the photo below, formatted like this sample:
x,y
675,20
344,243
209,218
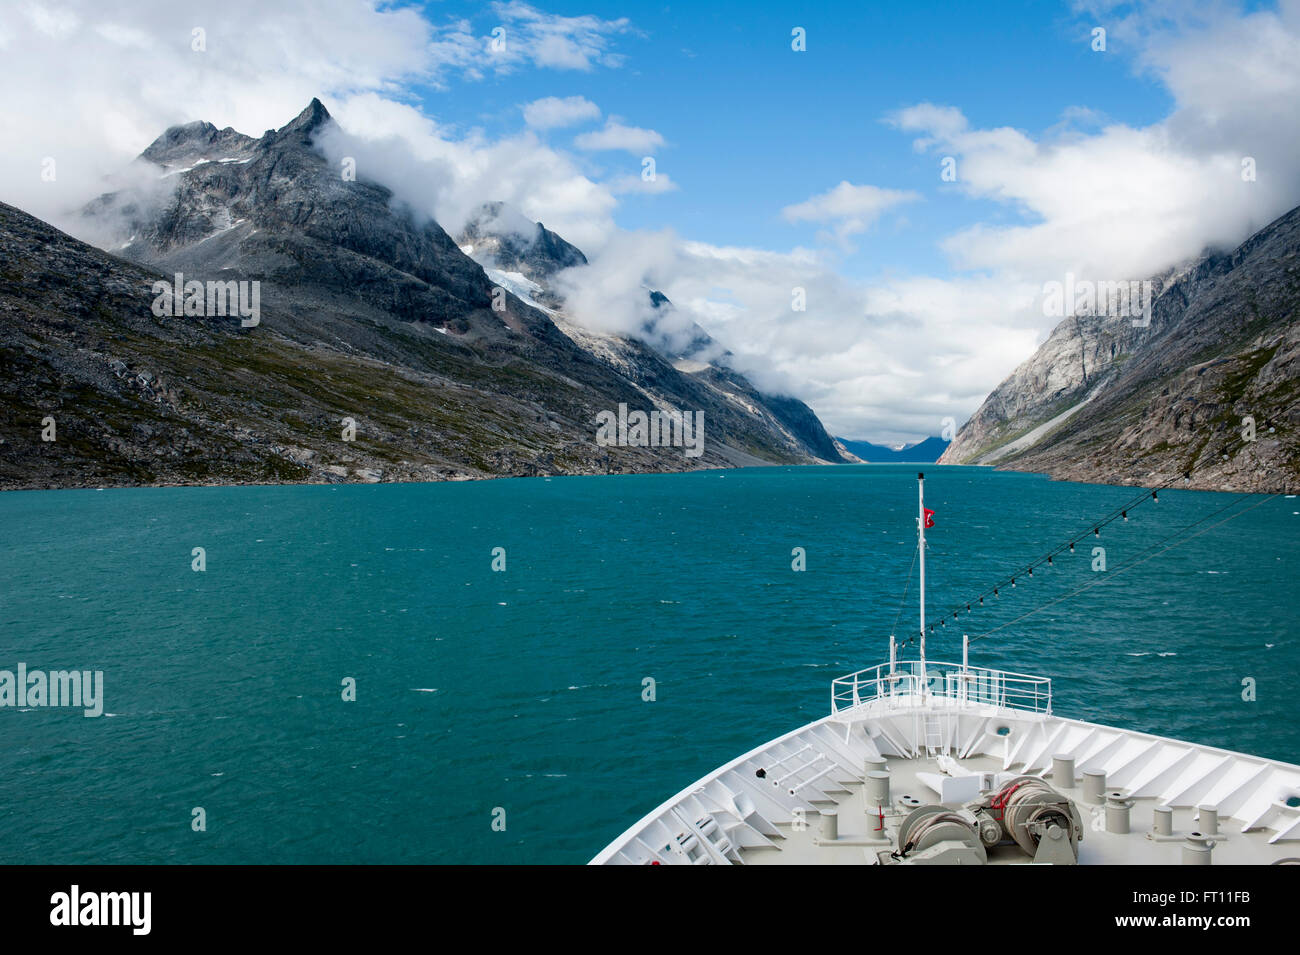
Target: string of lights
x,y
1093,528
1048,559
1150,553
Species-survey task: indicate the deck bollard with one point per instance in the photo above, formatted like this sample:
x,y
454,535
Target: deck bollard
x,y
1094,784
1209,819
1163,823
1063,772
830,825
876,793
1118,807
1197,849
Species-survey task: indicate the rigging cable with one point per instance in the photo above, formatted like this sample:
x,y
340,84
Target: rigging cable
x,y
1095,527
902,603
1150,553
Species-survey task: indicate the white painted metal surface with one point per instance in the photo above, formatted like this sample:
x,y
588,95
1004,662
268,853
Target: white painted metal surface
x,y
762,807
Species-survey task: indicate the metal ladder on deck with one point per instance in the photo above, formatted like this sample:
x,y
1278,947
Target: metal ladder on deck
x,y
932,729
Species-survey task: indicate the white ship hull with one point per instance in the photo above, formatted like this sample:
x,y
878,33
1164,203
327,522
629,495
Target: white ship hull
x,y
946,733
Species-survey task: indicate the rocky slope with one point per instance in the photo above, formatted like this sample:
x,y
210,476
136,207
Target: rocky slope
x,y
671,359
366,313
509,241
1102,400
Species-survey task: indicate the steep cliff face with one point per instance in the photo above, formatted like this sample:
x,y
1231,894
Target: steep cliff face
x,y
97,390
367,313
1103,400
273,209
517,244
672,360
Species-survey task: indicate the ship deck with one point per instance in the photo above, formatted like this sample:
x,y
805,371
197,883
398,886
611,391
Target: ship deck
x,y
858,826
952,734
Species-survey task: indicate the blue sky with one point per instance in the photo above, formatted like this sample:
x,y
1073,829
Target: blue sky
x,y
780,174
752,126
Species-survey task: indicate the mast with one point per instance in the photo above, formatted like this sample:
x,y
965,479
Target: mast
x,y
920,544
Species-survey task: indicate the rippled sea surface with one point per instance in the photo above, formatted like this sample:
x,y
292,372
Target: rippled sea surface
x,y
523,689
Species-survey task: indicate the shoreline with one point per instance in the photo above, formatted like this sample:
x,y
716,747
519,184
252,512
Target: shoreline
x,y
461,478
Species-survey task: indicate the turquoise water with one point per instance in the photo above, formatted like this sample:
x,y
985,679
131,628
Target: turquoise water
x,y
523,689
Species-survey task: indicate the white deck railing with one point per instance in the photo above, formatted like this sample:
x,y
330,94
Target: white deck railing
x,y
944,683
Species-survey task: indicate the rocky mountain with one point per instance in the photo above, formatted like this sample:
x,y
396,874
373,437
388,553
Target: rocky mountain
x,y
515,243
926,451
1210,387
367,313
670,356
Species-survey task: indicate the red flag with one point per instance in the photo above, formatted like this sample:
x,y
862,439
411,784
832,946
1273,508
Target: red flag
x,y
929,518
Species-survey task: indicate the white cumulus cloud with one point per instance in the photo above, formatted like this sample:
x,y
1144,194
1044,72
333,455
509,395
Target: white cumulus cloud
x,y
849,208
551,112
617,136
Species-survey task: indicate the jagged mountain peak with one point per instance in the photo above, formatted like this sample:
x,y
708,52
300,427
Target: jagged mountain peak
x,y
501,236
305,124
502,239
275,208
680,337
190,142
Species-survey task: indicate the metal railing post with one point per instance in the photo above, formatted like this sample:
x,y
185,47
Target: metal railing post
x,y
907,685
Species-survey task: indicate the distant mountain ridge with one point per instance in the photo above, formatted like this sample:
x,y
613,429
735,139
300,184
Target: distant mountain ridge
x,y
368,314
927,451
1211,387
